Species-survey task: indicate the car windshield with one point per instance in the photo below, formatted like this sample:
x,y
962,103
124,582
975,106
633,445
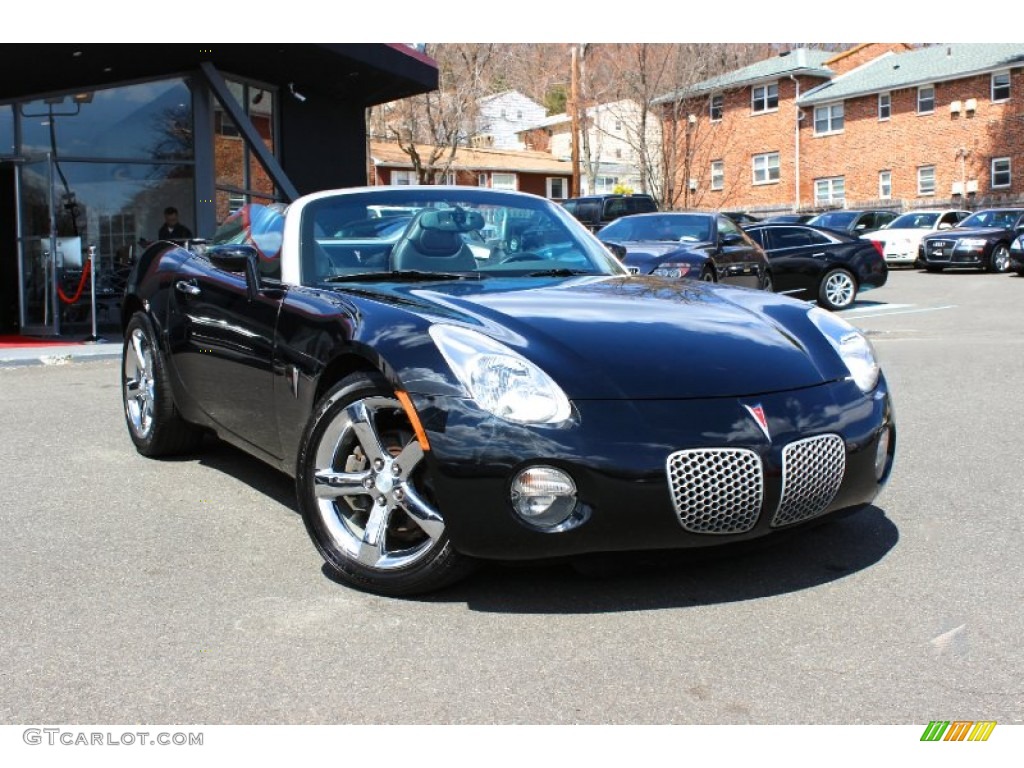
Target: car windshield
x,y
915,221
670,227
836,220
444,230
1003,219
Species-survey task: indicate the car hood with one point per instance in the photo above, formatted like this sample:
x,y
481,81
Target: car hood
x,y
897,234
647,254
635,338
956,233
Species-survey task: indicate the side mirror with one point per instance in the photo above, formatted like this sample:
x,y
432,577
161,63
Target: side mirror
x,y
239,259
945,225
731,239
616,248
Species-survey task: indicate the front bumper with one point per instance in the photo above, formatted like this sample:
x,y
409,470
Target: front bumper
x,y
617,453
952,255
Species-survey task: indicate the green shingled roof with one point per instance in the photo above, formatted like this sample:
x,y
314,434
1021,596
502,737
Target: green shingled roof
x,y
937,63
797,61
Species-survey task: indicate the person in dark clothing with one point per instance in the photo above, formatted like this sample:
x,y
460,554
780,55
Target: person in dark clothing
x,y
172,228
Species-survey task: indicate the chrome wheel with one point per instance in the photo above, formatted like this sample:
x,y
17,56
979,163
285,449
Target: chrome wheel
x,y
138,383
1000,261
838,289
364,474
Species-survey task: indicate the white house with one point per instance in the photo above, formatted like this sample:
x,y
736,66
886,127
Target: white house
x,y
502,116
613,131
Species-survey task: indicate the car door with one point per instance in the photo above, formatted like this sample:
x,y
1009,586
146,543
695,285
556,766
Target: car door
x,y
222,343
798,256
737,255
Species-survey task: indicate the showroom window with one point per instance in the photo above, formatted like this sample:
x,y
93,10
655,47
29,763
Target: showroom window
x,y
1000,86
926,180
766,168
884,106
1000,172
828,119
830,190
926,99
764,98
884,185
718,174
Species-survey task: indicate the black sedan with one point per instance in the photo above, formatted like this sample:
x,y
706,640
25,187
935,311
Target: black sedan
x,y
443,408
696,245
821,265
853,222
981,241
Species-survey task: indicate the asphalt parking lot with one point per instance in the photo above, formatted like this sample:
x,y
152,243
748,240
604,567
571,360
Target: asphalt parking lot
x,y
187,591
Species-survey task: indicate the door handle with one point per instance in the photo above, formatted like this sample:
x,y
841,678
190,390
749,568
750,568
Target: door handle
x,y
189,289
818,255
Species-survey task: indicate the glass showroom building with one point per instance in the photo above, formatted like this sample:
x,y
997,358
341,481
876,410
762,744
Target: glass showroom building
x,y
96,140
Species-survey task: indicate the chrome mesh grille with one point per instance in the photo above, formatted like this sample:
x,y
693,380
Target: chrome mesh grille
x,y
812,471
716,490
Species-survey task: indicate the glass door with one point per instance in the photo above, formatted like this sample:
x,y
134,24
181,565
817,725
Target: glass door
x,y
37,248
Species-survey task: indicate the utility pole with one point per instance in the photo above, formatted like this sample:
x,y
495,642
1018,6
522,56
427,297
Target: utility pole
x,y
574,112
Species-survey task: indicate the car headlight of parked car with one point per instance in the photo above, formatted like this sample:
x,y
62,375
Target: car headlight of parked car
x,y
673,270
501,381
852,345
973,244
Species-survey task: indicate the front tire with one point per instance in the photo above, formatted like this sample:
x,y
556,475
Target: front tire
x,y
766,282
999,261
837,290
154,424
365,496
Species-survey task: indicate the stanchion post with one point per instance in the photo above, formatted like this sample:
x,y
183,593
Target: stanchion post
x,y
92,292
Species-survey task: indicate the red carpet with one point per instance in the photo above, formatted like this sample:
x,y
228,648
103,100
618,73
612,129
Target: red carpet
x,y
13,340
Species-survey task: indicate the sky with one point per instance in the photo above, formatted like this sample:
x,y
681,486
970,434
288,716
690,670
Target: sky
x,y
521,21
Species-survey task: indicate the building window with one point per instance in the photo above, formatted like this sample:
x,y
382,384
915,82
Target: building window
x,y
717,107
884,185
618,125
481,180
764,98
1000,86
766,168
618,154
1000,172
884,106
403,178
604,185
556,188
926,180
828,119
830,190
519,114
926,99
503,181
718,174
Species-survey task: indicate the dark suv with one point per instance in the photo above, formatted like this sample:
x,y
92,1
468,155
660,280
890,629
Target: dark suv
x,y
596,211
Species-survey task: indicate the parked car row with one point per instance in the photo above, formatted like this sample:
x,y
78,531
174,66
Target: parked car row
x,y
810,263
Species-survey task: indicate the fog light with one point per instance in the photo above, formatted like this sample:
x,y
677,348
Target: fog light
x,y
882,453
543,497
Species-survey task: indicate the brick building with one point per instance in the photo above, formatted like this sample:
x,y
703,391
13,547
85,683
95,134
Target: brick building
x,y
878,124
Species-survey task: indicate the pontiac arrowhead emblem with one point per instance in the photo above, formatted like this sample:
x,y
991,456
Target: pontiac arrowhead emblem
x,y
762,421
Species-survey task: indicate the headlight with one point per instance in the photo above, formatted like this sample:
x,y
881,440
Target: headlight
x,y
672,270
972,243
852,346
502,381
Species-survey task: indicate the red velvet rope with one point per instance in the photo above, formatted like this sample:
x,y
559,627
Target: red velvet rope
x,y
81,286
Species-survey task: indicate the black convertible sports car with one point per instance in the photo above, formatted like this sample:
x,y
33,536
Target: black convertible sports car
x,y
820,264
436,407
701,246
982,240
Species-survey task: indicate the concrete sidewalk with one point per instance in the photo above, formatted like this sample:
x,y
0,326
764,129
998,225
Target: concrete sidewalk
x,y
58,354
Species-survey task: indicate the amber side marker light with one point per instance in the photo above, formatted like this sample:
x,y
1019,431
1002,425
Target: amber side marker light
x,y
414,419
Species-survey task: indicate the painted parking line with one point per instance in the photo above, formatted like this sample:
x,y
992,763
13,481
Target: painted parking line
x,y
877,308
880,312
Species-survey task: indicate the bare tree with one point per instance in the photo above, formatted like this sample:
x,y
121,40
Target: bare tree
x,y
430,127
